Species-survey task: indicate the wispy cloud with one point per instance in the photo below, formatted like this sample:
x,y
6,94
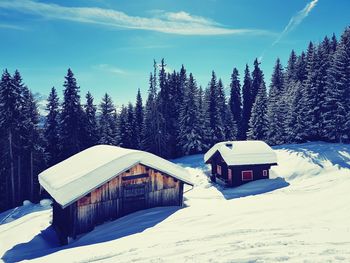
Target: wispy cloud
x,y
8,26
110,69
296,20
292,24
181,23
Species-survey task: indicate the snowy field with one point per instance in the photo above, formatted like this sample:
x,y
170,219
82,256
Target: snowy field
x,y
302,214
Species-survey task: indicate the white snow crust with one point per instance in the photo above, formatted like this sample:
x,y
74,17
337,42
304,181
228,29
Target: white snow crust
x,y
243,152
78,175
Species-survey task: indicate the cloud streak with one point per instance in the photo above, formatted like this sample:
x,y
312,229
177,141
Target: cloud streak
x,y
180,23
8,26
296,20
292,24
110,69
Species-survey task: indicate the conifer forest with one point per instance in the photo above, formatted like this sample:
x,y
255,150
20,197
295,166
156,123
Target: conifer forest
x,y
307,99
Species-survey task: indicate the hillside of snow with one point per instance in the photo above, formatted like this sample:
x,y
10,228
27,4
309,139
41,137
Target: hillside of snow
x,y
301,214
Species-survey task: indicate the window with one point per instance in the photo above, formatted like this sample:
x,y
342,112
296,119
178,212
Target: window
x,y
247,175
265,173
218,169
229,174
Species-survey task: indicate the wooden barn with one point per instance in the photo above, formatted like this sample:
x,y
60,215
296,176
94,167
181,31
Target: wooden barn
x,y
106,182
237,162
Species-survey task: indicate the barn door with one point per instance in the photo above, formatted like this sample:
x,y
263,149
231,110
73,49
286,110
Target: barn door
x,y
134,197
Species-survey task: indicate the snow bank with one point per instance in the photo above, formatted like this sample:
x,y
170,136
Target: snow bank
x,y
306,221
91,168
243,152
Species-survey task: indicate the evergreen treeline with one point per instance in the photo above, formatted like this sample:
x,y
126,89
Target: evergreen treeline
x,y
307,100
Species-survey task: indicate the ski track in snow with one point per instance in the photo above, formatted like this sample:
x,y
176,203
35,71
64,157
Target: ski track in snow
x,y
302,214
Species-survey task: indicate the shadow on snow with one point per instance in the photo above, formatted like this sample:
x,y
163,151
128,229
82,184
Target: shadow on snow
x,y
252,188
320,152
46,242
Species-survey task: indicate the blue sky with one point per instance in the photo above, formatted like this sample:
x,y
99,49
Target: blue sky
x,y
110,45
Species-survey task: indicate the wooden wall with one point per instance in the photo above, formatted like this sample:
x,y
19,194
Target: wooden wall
x,y
236,171
257,173
138,188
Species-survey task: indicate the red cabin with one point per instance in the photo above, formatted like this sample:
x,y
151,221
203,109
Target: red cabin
x,y
238,162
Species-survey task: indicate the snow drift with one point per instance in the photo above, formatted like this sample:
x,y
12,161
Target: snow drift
x,y
301,214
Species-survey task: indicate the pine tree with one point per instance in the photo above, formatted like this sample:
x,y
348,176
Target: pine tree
x,y
190,134
217,130
276,106
324,59
296,123
288,95
124,132
258,123
310,114
166,141
107,122
337,103
139,119
235,101
10,116
247,103
32,149
90,122
231,130
333,44
257,79
51,128
154,124
221,99
204,122
71,118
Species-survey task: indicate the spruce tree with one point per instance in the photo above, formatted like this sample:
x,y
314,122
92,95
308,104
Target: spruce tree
x,y
247,103
258,123
221,99
288,95
296,123
190,134
337,102
204,122
139,119
214,107
52,129
230,124
71,118
235,101
154,124
33,147
10,116
276,106
257,79
310,113
165,138
107,122
90,123
124,132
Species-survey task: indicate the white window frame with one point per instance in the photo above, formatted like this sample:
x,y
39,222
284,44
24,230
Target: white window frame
x,y
218,168
265,173
251,171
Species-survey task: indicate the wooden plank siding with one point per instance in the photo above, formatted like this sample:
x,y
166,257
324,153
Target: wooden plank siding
x,y
138,188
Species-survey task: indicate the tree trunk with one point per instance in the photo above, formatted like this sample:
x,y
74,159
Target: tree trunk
x,y
19,188
12,169
31,177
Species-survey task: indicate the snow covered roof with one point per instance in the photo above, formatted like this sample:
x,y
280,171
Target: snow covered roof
x,y
78,175
243,152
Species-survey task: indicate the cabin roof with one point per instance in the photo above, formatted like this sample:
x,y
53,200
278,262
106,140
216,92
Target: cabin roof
x,y
85,171
243,153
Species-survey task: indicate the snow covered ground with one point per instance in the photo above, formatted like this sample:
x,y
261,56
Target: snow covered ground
x,y
302,214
